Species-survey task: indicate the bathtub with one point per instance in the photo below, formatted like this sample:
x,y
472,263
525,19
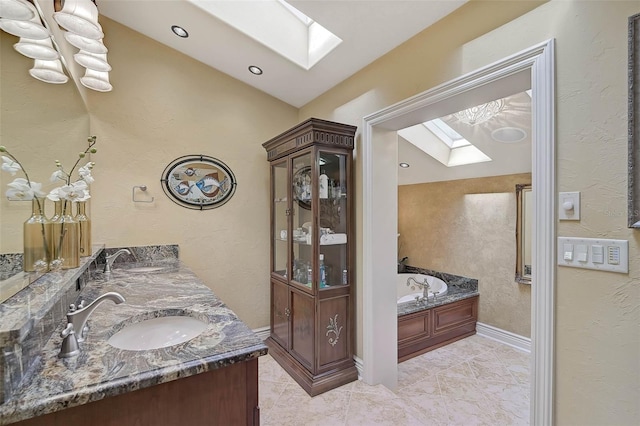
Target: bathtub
x,y
408,294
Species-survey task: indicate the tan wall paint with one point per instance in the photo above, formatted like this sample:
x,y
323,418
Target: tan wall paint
x,y
467,227
165,105
597,339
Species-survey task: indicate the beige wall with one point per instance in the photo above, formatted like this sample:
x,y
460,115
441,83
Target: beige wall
x,y
597,313
165,105
467,227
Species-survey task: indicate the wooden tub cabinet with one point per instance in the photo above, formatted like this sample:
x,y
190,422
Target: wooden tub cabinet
x,y
431,328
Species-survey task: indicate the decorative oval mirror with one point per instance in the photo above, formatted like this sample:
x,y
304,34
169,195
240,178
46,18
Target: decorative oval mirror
x,y
198,182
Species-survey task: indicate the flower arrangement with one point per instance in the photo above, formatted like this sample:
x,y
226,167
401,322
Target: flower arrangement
x,y
23,188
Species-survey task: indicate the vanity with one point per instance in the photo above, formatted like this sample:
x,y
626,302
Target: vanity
x,y
209,379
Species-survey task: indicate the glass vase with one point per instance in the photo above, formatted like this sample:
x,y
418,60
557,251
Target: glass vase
x,y
84,229
65,237
37,234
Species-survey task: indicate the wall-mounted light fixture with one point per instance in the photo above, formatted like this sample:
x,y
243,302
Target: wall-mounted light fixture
x,y
80,18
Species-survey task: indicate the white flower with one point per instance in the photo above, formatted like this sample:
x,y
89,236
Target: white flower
x,y
73,191
58,175
20,189
84,197
85,172
8,165
54,195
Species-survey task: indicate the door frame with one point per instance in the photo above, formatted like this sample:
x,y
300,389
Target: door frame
x,y
380,204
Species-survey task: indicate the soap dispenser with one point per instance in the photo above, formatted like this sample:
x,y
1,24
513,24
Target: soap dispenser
x,y
324,186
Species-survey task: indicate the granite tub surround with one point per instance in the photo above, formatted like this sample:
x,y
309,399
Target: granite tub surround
x,y
29,318
102,371
459,288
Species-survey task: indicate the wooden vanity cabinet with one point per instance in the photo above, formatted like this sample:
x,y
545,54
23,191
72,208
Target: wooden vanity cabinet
x,y
224,396
312,253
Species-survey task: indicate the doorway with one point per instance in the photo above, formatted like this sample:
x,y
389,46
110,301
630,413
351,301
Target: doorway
x,y
532,67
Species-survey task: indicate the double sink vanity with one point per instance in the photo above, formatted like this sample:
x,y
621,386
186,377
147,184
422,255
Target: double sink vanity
x,y
170,353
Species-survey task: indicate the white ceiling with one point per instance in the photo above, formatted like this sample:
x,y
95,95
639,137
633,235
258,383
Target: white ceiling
x,y
368,28
506,158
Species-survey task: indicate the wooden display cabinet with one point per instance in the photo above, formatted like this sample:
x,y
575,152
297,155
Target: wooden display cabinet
x,y
312,254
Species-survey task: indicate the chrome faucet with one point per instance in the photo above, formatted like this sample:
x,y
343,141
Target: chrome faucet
x,y
112,258
424,286
77,320
79,317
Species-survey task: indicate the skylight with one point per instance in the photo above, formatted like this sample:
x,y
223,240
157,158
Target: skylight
x,y
444,144
446,133
277,25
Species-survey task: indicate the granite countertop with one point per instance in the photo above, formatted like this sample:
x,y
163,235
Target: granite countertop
x,y
101,370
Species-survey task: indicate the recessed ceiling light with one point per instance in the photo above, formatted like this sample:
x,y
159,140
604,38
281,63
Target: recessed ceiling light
x,y
404,165
508,135
179,31
255,70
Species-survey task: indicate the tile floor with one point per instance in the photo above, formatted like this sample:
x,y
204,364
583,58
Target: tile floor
x,y
474,381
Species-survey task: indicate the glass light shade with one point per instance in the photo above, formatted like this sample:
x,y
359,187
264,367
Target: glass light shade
x,y
24,29
20,10
80,17
92,61
37,49
86,44
96,80
48,71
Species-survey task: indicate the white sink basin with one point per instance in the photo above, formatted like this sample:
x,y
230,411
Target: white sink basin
x,y
144,269
157,333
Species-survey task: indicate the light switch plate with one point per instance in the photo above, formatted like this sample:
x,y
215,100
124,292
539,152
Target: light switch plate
x,y
569,206
601,254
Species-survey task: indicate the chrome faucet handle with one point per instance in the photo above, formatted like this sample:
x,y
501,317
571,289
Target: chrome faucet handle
x,y
69,347
73,307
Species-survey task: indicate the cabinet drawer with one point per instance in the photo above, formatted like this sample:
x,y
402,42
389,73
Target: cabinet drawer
x,y
452,315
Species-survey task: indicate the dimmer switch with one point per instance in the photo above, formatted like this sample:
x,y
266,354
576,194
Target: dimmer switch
x,y
568,252
597,254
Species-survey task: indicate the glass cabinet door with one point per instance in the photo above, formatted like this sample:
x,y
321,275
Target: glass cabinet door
x,y
280,218
302,229
333,216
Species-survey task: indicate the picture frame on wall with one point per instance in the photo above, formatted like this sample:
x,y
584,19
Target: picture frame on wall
x,y
634,121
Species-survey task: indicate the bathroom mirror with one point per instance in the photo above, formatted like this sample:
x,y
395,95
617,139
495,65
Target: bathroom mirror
x,y
634,121
39,123
198,182
524,219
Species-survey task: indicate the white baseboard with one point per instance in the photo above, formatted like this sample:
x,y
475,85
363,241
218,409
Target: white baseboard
x,y
359,366
503,336
263,332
